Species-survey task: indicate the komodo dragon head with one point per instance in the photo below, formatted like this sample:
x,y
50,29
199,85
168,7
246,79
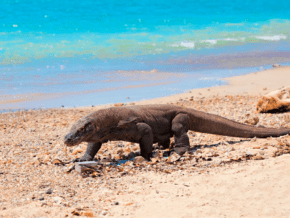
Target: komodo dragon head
x,y
81,131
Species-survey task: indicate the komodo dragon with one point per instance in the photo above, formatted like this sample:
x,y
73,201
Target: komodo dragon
x,y
149,124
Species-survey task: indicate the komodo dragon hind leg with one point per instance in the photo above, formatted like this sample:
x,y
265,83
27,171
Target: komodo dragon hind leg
x,y
144,136
92,149
180,126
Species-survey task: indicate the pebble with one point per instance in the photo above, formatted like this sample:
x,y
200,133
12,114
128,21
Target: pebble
x,y
104,213
138,159
57,199
48,191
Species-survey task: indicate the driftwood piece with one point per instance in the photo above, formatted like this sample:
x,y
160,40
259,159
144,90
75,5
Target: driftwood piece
x,y
275,101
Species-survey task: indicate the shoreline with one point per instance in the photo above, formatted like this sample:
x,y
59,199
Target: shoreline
x,y
250,83
256,83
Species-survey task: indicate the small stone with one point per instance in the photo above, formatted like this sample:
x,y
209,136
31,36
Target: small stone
x,y
252,121
138,159
57,199
157,192
116,203
41,199
48,191
104,213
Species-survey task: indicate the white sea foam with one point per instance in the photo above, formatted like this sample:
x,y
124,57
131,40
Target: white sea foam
x,y
211,41
187,44
272,38
230,39
208,78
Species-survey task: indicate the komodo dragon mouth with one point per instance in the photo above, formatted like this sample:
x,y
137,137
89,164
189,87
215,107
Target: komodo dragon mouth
x,y
79,135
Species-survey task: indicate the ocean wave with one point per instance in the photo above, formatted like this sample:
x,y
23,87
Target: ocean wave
x,y
272,38
210,41
17,47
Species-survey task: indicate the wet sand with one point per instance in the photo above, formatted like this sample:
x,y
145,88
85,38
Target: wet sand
x,y
221,176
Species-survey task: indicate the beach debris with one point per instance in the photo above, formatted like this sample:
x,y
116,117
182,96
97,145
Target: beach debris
x,y
276,65
119,104
278,100
85,166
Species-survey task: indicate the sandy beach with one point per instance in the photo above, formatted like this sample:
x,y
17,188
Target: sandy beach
x,y
221,176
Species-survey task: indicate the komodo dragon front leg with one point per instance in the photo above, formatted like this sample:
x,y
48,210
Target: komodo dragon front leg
x,y
92,149
180,126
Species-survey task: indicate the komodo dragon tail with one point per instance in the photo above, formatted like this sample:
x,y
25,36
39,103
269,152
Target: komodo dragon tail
x,y
214,124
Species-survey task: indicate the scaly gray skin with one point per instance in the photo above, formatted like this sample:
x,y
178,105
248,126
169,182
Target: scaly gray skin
x,y
149,124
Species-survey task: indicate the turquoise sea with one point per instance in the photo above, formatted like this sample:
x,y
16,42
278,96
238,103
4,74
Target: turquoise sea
x,y
69,46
